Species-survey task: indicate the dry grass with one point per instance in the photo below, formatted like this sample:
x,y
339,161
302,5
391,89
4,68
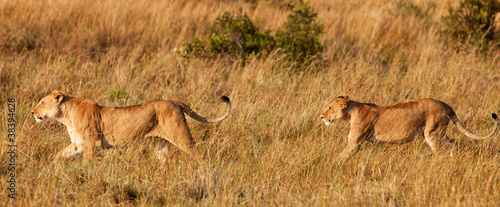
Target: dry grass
x,y
273,149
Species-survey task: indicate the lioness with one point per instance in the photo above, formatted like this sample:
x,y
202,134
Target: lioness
x,y
91,126
398,123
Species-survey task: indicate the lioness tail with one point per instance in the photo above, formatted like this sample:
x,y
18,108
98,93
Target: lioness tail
x,y
470,134
199,118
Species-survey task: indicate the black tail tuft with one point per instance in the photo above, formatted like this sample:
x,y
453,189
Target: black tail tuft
x,y
225,99
495,116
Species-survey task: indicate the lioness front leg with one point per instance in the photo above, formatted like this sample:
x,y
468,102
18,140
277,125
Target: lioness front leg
x,y
69,151
353,142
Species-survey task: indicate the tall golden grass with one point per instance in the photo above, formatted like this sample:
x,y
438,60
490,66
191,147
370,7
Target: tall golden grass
x,y
273,149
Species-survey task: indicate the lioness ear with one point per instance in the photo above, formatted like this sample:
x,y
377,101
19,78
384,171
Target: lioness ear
x,y
345,98
343,102
58,96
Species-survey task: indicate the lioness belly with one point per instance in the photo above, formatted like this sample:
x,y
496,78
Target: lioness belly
x,y
396,136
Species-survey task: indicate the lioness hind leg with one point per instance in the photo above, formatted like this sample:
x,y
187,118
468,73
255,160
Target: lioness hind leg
x,y
449,145
173,127
437,139
431,141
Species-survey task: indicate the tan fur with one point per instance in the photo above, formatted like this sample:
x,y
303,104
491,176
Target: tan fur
x,y
91,126
398,123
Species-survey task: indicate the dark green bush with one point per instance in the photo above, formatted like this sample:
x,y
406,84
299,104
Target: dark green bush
x,y
192,48
472,23
301,35
236,36
233,35
239,36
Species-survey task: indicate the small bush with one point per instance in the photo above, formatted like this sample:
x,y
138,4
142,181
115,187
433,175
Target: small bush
x,y
235,35
245,36
117,95
472,23
301,35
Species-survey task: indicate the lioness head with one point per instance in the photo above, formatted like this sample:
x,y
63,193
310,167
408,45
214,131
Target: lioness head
x,y
48,107
334,110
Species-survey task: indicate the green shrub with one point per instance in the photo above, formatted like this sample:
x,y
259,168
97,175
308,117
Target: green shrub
x,y
472,22
300,37
192,48
235,35
117,95
239,36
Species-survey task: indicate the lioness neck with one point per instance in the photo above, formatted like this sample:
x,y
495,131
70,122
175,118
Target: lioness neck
x,y
67,110
353,108
350,110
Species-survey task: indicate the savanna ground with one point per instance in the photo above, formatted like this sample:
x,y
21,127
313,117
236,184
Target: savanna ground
x,y
273,149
